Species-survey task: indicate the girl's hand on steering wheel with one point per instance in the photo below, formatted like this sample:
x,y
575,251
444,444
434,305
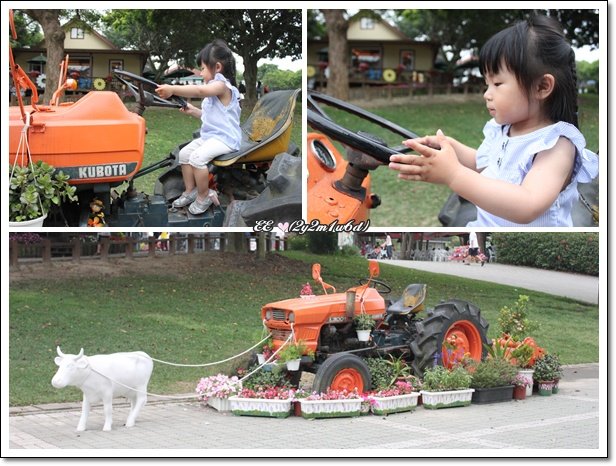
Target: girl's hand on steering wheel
x,y
439,166
164,91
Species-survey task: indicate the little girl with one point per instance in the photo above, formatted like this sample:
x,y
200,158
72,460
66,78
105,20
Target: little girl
x,y
526,171
220,129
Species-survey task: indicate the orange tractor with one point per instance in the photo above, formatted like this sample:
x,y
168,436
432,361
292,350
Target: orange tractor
x,y
99,143
404,328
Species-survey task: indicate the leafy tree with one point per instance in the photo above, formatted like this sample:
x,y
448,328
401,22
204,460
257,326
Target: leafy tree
x,y
588,72
178,35
54,38
28,31
276,78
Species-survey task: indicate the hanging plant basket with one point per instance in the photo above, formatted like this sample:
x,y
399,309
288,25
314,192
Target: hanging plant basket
x,y
363,335
34,223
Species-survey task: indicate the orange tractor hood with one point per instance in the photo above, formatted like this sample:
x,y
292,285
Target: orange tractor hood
x,y
93,140
308,315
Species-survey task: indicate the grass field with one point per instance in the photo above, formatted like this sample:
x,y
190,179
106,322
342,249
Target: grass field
x,y
417,204
206,307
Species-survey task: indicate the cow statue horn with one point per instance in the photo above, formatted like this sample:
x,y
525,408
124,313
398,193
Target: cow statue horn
x,y
80,354
60,353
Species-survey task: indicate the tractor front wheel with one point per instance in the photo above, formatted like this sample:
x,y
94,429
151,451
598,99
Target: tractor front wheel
x,y
343,371
451,331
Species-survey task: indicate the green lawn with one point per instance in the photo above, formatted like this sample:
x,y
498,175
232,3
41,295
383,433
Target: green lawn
x,y
206,307
417,204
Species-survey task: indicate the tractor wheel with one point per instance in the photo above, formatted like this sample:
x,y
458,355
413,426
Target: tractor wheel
x,y
343,372
457,322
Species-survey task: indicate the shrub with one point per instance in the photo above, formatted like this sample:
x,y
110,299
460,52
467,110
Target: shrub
x,y
568,252
514,321
382,373
493,372
349,250
263,378
297,243
439,378
322,243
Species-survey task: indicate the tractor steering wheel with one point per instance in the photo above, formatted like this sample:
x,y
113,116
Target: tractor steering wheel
x,y
360,141
146,98
378,285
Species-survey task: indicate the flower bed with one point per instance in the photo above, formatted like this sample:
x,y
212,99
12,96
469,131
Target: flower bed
x,y
320,409
332,403
447,399
260,407
394,404
265,402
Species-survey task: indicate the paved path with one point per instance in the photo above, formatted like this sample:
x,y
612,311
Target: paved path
x,y
575,286
566,424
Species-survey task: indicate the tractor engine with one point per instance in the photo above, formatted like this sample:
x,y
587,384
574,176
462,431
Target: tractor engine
x,y
396,330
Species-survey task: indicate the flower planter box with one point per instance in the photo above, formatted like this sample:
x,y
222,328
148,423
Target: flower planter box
x,y
493,394
395,404
260,407
219,404
319,409
448,399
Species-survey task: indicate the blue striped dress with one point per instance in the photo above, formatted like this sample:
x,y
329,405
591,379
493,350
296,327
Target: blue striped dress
x,y
511,158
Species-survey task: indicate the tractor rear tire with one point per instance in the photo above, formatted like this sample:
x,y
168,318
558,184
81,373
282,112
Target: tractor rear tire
x,y
343,371
454,317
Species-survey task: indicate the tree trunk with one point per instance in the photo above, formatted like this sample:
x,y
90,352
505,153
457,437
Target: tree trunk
x,y
250,79
54,43
262,245
338,51
236,242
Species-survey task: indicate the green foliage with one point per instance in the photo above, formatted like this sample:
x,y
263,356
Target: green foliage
x,y
294,351
514,321
37,186
264,378
439,378
547,367
297,242
493,372
568,252
363,321
349,250
382,372
399,368
322,243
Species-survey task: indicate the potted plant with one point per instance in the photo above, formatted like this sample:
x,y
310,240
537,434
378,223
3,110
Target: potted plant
x,y
33,190
333,403
547,369
520,384
364,323
292,353
400,397
306,291
400,370
215,390
269,401
267,351
491,380
446,388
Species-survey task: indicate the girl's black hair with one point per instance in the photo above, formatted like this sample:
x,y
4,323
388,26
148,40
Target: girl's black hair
x,y
530,49
219,51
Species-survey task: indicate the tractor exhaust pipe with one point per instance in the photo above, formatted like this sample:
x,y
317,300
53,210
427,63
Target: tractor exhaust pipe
x,y
350,304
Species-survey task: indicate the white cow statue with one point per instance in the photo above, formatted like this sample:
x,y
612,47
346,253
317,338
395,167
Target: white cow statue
x,y
104,376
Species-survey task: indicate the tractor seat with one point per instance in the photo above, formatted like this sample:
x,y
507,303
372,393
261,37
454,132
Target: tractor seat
x,y
411,300
266,132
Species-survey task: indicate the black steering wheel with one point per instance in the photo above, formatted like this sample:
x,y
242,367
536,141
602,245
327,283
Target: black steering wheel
x,y
378,285
360,141
146,98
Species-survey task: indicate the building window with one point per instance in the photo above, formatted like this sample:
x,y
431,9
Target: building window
x,y
366,23
407,61
76,33
366,62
